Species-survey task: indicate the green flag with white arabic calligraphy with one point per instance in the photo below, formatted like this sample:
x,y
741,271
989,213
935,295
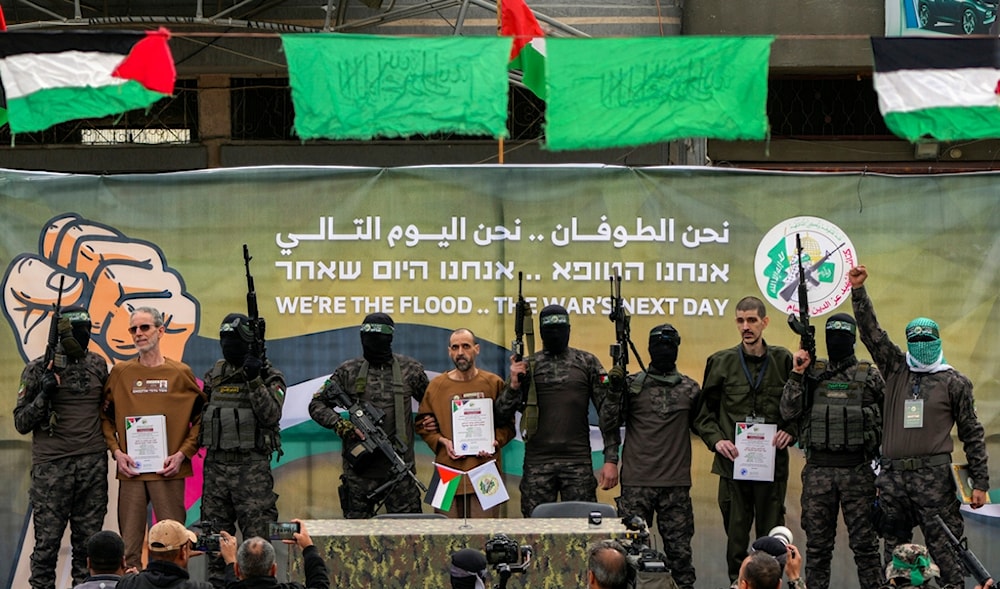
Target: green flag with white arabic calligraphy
x,y
362,86
621,92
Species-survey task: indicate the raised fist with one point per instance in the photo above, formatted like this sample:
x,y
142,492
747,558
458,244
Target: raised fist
x,y
105,272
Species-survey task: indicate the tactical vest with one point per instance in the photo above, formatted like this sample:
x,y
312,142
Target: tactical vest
x,y
229,423
837,422
401,403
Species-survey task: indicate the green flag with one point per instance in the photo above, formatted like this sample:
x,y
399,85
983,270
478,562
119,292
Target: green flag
x,y
623,92
362,86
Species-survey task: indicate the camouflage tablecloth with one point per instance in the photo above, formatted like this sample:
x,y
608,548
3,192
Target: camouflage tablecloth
x,y
416,553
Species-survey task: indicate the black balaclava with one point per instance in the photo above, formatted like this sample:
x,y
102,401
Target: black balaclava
x,y
841,333
663,343
553,325
468,569
235,337
80,325
376,338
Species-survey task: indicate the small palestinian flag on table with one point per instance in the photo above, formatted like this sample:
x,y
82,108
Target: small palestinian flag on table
x,y
51,77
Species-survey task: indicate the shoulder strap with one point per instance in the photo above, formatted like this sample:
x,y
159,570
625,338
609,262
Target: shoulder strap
x,y
399,398
861,374
529,416
636,385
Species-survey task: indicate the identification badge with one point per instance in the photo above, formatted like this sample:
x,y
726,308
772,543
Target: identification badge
x,y
752,419
913,414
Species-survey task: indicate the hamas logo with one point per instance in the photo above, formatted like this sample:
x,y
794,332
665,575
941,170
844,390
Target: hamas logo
x,y
827,255
488,485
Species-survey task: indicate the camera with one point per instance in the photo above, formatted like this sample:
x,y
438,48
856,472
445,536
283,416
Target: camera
x,y
507,557
647,566
500,549
782,533
283,530
208,538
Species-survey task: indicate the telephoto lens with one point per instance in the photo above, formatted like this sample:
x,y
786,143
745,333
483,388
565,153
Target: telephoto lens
x,y
782,533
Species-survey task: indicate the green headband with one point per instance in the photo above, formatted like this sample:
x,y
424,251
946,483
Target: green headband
x,y
377,328
842,326
914,331
554,320
77,316
916,569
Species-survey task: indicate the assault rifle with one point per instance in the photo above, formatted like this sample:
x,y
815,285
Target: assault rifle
x,y
53,341
800,324
623,329
368,420
522,315
52,358
257,347
808,274
973,567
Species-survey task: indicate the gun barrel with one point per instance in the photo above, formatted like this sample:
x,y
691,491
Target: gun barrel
x,y
973,567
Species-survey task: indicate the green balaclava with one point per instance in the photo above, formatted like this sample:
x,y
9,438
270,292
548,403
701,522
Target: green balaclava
x,y
923,342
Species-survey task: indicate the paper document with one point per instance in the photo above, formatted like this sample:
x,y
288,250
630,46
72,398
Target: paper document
x,y
146,441
755,447
472,426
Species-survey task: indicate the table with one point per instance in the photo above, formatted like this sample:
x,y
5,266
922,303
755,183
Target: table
x,y
416,553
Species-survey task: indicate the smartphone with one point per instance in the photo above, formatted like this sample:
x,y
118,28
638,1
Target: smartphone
x,y
283,530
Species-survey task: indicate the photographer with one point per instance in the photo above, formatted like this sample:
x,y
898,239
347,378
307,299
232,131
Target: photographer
x,y
607,566
253,566
170,548
788,556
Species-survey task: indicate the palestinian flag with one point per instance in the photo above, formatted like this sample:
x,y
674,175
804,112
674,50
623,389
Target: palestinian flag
x,y
528,54
444,484
3,103
940,88
52,77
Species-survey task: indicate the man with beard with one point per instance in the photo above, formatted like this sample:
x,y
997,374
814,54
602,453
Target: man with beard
x,y
60,405
657,409
151,385
239,430
743,385
562,383
839,405
389,382
465,382
925,398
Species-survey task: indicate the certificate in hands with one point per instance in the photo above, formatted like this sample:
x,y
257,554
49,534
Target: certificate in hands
x,y
755,448
146,440
472,426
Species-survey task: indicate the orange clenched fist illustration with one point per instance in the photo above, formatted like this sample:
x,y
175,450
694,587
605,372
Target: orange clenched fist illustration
x,y
106,272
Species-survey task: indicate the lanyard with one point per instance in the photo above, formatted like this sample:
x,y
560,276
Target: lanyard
x,y
754,385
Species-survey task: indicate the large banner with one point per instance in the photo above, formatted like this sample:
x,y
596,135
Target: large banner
x,y
440,248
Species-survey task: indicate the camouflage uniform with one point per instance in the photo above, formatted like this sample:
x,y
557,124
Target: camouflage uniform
x,y
657,411
69,472
557,460
358,481
239,430
915,481
838,474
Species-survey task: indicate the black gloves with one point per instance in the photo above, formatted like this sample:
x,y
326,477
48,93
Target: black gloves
x,y
48,386
252,367
617,378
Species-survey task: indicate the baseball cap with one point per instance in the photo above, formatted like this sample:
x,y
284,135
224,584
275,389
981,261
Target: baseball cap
x,y
169,535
